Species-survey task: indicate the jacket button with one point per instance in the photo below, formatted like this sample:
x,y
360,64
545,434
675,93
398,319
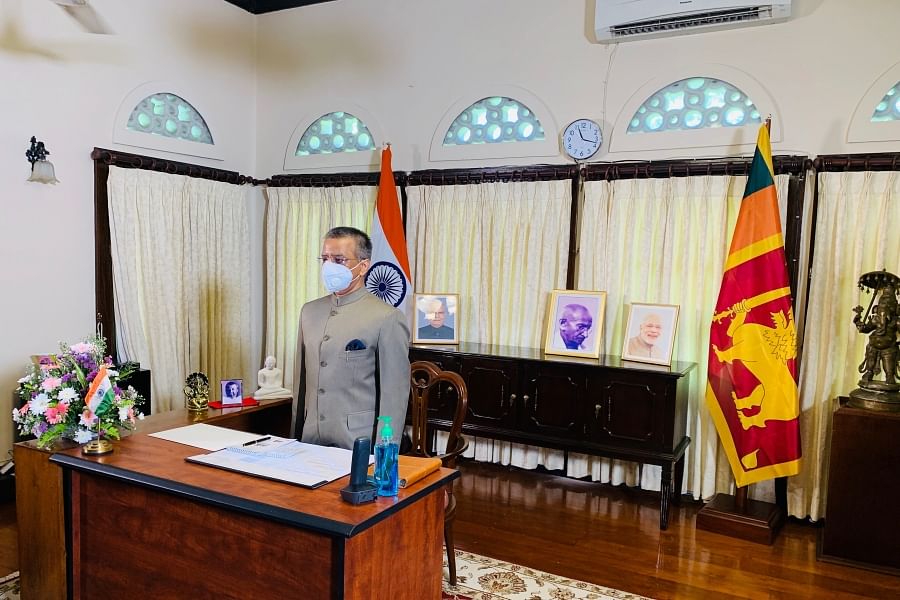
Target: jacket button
x,y
321,417
323,364
326,338
321,390
333,313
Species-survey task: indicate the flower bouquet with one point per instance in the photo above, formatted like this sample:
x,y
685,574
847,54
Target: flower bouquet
x,y
75,395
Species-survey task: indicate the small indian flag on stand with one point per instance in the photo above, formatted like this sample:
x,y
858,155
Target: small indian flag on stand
x,y
100,396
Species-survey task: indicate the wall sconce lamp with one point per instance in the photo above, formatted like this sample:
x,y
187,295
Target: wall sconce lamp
x,y
41,168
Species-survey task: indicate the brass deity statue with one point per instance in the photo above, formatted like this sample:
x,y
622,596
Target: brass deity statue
x,y
880,369
196,392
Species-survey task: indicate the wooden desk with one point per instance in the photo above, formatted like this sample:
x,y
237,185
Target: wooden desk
x,y
607,407
144,519
39,490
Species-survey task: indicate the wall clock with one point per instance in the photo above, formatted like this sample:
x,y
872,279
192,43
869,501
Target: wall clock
x,y
582,138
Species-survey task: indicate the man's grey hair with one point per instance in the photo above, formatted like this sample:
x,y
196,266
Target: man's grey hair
x,y
363,242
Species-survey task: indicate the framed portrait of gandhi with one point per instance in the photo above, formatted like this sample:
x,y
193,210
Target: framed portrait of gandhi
x,y
575,323
650,333
436,319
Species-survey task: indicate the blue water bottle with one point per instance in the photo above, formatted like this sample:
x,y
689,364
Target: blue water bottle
x,y
386,452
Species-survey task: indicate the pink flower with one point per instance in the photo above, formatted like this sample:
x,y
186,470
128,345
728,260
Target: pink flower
x,y
54,415
24,409
51,383
82,348
87,417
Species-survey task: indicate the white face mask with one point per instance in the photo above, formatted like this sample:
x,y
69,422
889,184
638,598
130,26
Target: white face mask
x,y
336,277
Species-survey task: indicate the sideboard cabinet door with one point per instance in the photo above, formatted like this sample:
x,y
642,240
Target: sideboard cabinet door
x,y
551,401
493,393
631,412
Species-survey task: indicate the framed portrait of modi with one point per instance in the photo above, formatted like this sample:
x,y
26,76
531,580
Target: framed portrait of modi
x,y
650,333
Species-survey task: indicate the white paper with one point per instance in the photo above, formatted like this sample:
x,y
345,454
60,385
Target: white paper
x,y
207,437
283,460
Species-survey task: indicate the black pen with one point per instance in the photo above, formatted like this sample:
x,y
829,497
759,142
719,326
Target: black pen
x,y
262,439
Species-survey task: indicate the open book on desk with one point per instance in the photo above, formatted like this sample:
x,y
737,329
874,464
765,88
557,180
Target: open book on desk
x,y
282,459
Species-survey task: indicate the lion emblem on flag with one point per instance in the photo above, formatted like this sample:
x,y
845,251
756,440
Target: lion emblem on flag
x,y
764,351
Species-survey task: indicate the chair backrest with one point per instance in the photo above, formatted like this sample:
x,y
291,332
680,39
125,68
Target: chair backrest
x,y
426,379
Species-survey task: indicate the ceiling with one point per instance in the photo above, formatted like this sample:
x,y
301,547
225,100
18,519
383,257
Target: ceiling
x,y
257,7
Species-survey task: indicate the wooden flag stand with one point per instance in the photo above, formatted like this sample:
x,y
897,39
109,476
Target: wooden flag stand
x,y
738,516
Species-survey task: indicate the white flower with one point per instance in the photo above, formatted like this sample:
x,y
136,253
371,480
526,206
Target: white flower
x,y
39,404
83,436
24,379
140,416
123,413
16,415
112,373
67,395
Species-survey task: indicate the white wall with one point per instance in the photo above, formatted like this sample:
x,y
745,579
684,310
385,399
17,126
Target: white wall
x,y
68,98
407,61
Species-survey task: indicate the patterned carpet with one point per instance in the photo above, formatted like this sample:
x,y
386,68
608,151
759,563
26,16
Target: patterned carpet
x,y
479,578
9,587
483,578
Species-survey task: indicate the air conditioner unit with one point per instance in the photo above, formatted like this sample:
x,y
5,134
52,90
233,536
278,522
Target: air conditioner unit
x,y
626,20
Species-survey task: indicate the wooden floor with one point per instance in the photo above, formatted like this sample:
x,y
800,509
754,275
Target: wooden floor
x,y
610,536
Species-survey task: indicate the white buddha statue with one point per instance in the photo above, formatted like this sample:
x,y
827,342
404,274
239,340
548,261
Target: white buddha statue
x,y
270,382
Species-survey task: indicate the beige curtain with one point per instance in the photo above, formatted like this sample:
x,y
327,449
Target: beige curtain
x,y
502,247
663,241
857,231
181,272
296,220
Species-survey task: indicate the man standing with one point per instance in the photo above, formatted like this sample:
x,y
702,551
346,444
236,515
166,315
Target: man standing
x,y
575,324
352,360
644,343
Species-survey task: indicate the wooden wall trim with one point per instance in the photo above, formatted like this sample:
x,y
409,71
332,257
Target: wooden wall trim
x,y
660,169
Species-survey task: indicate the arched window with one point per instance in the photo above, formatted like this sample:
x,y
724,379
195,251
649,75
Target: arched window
x,y
889,107
170,116
492,120
335,132
694,103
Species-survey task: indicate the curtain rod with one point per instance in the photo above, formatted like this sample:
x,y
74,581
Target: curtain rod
x,y
883,161
136,161
682,168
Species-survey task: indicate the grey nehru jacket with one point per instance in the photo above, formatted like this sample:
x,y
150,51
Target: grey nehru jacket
x,y
335,389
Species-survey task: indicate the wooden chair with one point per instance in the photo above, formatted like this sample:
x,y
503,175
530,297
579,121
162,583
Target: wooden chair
x,y
428,382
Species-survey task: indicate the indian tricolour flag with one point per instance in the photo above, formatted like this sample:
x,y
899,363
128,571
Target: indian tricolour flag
x,y
388,277
100,395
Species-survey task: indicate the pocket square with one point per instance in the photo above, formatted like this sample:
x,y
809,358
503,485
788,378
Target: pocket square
x,y
355,345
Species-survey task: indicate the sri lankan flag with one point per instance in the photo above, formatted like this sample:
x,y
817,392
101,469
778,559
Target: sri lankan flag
x,y
752,387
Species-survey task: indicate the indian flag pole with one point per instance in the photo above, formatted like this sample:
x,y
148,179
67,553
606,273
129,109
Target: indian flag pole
x,y
100,397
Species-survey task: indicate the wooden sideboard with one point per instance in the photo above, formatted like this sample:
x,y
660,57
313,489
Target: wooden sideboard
x,y
607,407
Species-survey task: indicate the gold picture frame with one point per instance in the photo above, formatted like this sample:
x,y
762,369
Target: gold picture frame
x,y
650,333
433,325
575,323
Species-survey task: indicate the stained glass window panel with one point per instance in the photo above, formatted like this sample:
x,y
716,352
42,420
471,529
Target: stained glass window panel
x,y
170,116
889,107
494,120
694,103
335,132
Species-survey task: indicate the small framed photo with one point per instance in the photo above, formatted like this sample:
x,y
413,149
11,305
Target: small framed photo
x,y
232,392
650,333
575,323
436,319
